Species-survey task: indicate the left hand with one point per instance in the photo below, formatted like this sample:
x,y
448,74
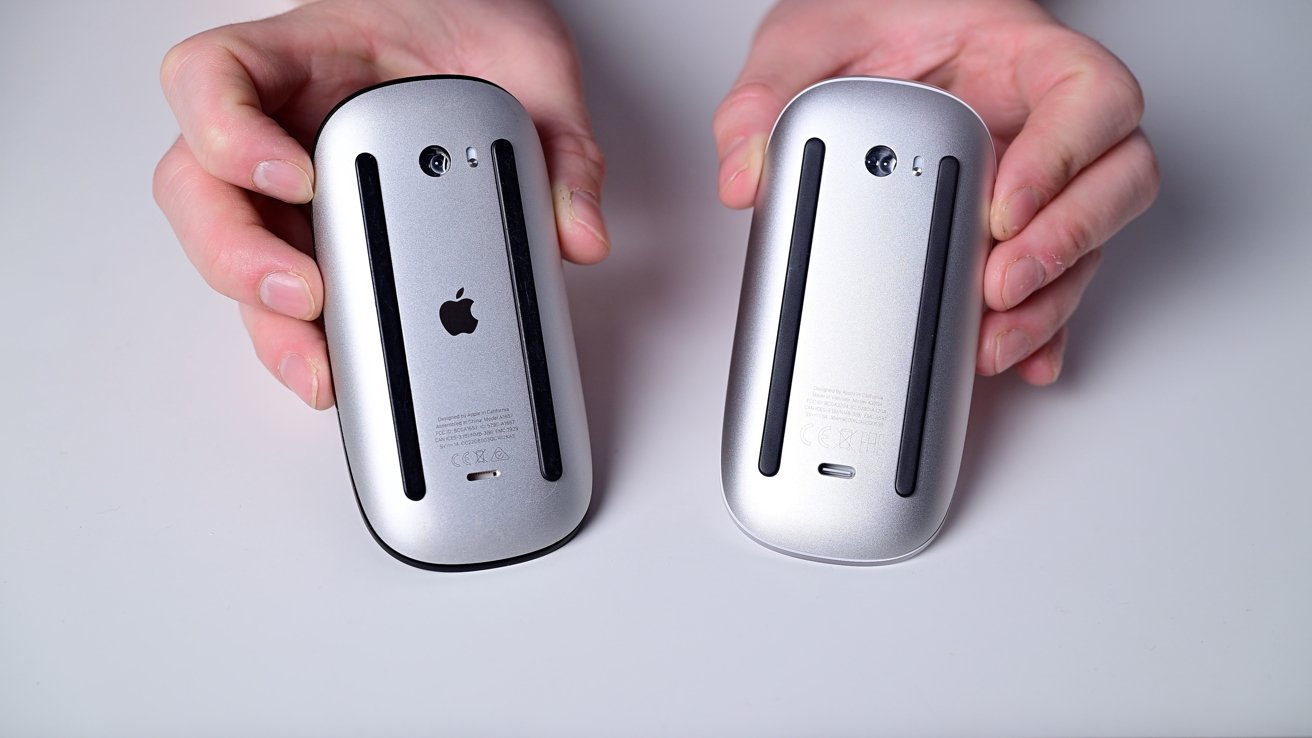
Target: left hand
x,y
1064,113
250,96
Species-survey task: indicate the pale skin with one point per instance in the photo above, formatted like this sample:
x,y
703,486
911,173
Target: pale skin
x,y
1063,111
249,98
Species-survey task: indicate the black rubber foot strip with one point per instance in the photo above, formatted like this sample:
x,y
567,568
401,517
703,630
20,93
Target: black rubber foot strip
x,y
931,300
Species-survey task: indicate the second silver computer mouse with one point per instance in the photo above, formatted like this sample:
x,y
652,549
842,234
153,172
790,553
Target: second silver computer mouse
x,y
449,334
854,352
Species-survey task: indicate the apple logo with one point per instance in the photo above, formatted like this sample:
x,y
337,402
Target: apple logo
x,y
456,316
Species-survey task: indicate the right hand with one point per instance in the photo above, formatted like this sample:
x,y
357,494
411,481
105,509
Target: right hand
x,y
249,98
1064,114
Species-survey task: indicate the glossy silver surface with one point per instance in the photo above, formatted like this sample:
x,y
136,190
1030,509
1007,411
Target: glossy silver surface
x,y
471,397
858,324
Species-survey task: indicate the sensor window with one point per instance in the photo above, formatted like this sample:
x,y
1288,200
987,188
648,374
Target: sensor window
x,y
434,161
881,161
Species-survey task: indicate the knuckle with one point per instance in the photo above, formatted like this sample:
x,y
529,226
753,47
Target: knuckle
x,y
1136,98
1153,185
1074,239
744,93
214,269
174,177
1052,162
173,61
165,171
183,52
1127,96
1065,165
216,144
1145,173
1152,179
1124,94
591,151
230,270
224,265
1128,92
1102,70
582,146
218,266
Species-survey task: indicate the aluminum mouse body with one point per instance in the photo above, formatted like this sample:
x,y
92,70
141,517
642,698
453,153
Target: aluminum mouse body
x,y
854,352
449,336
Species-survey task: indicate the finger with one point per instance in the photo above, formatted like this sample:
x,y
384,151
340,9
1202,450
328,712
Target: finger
x,y
1043,367
547,80
218,105
1083,101
294,351
794,48
1100,201
576,166
1007,338
224,237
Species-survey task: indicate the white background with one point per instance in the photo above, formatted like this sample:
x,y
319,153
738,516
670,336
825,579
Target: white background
x,y
1129,552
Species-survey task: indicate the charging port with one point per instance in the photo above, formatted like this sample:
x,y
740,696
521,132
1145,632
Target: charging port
x,y
837,470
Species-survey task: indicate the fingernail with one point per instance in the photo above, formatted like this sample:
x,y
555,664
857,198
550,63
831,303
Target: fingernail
x,y
1056,357
301,378
743,154
1009,348
1019,209
734,160
287,293
585,210
1022,278
283,180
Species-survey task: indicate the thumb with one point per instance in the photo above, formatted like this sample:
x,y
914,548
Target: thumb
x,y
796,45
218,106
576,167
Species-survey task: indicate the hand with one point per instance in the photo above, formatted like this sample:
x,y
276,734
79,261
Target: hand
x,y
250,97
1064,114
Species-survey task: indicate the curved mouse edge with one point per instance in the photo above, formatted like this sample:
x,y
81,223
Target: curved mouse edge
x,y
452,568
827,559
587,488
891,80
399,80
727,497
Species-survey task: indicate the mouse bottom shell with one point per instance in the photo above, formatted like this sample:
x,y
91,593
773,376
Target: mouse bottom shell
x,y
854,350
448,326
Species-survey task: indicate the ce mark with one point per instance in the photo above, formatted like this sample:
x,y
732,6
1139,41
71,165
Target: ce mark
x,y
469,458
843,439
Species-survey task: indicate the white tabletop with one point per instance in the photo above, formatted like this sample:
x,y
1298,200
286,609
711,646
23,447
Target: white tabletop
x,y
1129,552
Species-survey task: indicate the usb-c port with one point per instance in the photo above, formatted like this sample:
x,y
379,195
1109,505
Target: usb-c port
x,y
837,470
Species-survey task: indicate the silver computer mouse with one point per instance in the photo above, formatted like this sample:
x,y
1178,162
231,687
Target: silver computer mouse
x,y
854,353
449,334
